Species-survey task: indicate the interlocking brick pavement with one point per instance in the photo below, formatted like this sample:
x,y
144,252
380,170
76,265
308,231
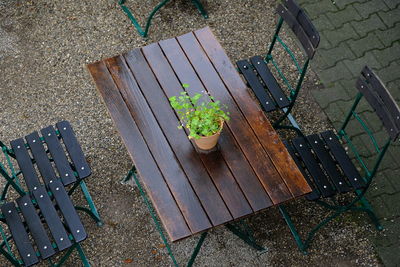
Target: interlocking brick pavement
x,y
355,33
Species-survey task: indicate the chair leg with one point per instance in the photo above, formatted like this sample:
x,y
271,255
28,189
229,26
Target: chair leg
x,y
10,258
245,235
82,255
369,210
293,229
201,9
93,210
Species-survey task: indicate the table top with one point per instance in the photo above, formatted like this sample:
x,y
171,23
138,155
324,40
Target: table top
x,y
251,170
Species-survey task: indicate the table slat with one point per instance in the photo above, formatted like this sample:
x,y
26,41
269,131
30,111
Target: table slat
x,y
256,118
151,176
242,131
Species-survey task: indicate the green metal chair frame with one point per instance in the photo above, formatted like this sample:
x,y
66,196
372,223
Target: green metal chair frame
x,y
240,229
359,203
144,31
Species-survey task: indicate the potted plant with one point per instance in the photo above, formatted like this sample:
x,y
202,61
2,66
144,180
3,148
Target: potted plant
x,y
204,120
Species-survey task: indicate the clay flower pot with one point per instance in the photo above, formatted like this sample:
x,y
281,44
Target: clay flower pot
x,y
208,142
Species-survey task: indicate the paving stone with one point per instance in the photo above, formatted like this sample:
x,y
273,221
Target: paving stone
x,y
394,150
390,35
335,73
393,177
323,6
360,46
380,209
388,54
334,112
338,18
392,3
331,94
374,123
390,17
324,43
367,8
389,258
350,86
392,202
362,144
363,27
322,23
393,87
341,4
382,185
332,56
356,65
390,73
341,34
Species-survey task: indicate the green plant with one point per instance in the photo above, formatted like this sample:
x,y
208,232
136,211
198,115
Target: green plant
x,y
202,119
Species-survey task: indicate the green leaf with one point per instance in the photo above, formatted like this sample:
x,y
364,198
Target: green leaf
x,y
185,85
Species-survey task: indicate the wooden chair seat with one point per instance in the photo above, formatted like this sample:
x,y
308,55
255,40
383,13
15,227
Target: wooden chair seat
x,y
29,230
263,84
325,165
70,163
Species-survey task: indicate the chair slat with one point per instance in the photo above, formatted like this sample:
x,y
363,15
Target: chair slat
x,y
315,194
42,160
25,164
313,167
20,236
343,159
74,149
379,106
35,226
58,154
269,80
67,209
297,30
379,87
303,20
328,163
265,100
52,219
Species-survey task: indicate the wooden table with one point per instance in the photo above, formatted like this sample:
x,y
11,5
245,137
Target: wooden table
x,y
192,192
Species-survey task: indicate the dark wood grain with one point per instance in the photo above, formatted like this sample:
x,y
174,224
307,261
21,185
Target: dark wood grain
x,y
151,176
214,162
25,164
228,147
242,131
255,116
20,236
35,226
74,149
57,153
167,161
42,160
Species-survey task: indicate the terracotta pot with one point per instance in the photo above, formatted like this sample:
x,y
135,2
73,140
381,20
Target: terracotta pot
x,y
208,142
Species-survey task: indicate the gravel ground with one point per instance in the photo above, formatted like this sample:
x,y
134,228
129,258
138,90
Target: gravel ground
x,y
44,47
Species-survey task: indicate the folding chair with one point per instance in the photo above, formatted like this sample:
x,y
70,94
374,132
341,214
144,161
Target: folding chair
x,y
69,168
328,168
259,75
